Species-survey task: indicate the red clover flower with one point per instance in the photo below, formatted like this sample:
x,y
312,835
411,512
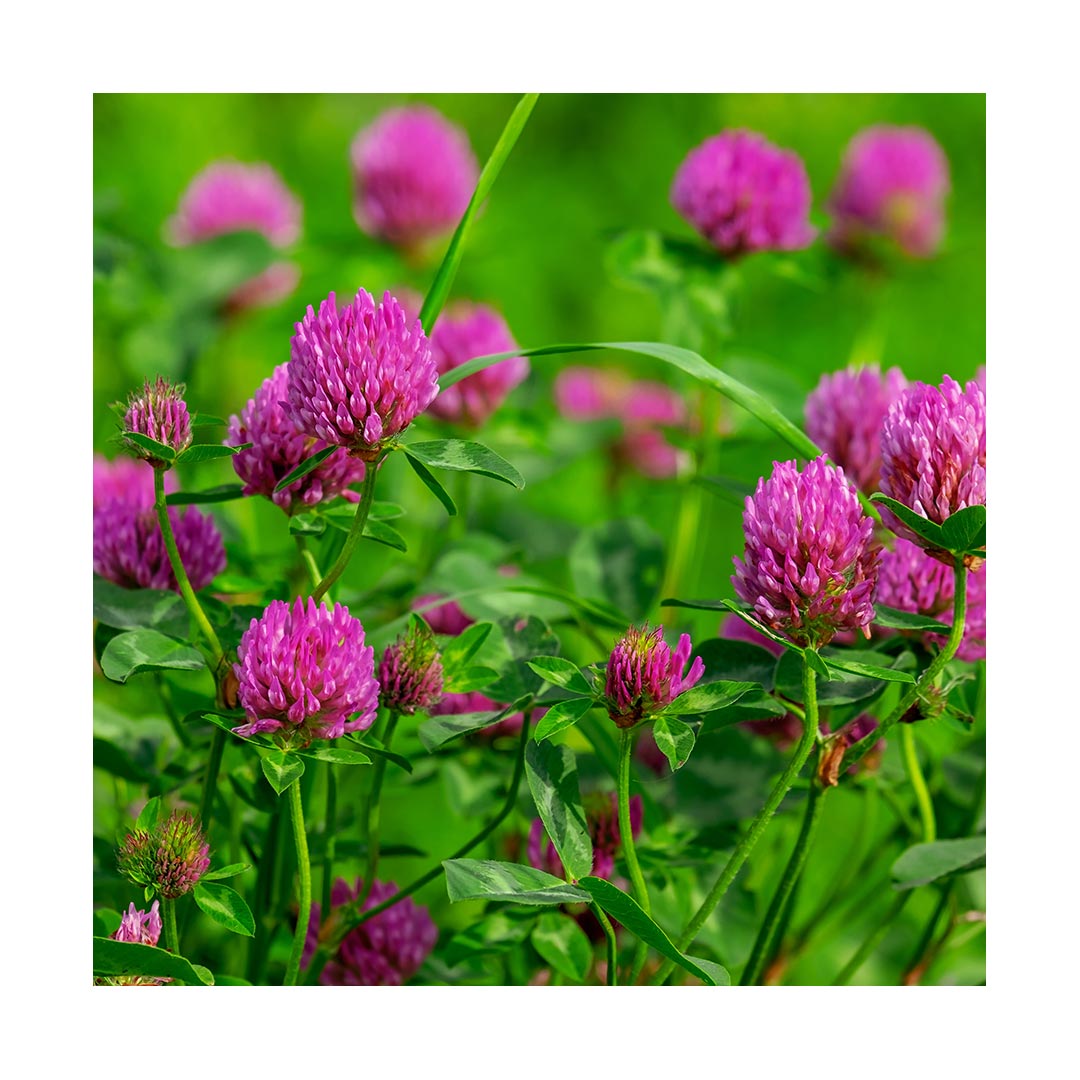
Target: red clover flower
x,y
460,334
129,549
892,183
305,673
279,446
933,449
844,416
387,950
810,562
360,375
411,672
169,858
414,174
743,194
644,675
159,412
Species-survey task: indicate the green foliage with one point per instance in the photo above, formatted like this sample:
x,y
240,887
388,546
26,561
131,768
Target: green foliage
x,y
457,455
923,863
225,906
553,780
562,944
486,879
147,650
282,769
128,959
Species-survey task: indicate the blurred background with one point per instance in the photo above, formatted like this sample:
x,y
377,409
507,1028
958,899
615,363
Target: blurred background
x,y
578,243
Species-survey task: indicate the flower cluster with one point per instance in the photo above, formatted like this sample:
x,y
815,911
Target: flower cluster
x,y
460,334
913,580
810,562
411,672
169,858
844,415
279,446
305,673
602,817
933,450
387,950
228,197
892,183
743,194
644,675
643,407
414,174
160,413
129,549
360,375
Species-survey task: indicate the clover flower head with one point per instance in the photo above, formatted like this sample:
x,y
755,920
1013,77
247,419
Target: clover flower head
x,y
387,950
414,175
892,183
844,416
129,549
602,818
411,672
359,375
810,562
460,334
169,858
159,412
933,453
644,675
911,579
279,446
743,194
305,673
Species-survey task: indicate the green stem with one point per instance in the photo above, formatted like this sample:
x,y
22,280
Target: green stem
x,y
923,954
374,812
303,865
874,939
329,837
687,528
213,767
768,934
626,834
168,924
367,496
612,946
937,665
759,824
918,784
186,591
348,918
308,559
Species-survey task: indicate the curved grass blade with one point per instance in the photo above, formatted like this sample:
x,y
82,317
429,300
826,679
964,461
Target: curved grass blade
x,y
448,268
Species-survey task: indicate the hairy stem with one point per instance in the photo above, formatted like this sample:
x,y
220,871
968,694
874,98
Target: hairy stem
x,y
303,867
918,784
612,947
168,924
626,836
356,531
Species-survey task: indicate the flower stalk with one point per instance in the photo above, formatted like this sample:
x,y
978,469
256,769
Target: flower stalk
x,y
303,867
